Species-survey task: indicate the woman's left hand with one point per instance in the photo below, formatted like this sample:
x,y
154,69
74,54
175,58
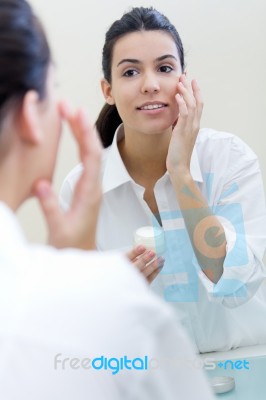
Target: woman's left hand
x,y
186,128
146,262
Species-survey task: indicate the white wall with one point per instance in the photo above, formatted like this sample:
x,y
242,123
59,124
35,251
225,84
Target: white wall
x,y
225,50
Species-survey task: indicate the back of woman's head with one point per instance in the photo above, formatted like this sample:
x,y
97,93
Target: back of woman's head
x,y
24,54
138,19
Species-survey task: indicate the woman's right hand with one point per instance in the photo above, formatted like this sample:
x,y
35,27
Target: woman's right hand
x,y
77,227
146,262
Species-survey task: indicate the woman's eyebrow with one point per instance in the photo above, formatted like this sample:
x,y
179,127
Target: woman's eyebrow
x,y
135,61
166,56
129,60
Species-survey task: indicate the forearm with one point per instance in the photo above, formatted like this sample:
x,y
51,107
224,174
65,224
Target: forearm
x,y
204,228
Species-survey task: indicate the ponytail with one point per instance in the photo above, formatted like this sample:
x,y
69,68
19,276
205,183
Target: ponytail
x,y
107,123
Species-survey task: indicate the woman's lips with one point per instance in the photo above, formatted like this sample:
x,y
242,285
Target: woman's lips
x,y
152,106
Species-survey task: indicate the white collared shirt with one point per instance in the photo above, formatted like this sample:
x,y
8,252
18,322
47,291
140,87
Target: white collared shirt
x,y
68,318
228,175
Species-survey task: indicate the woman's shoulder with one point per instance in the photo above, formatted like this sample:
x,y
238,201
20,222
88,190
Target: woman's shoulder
x,y
221,141
105,155
73,176
209,134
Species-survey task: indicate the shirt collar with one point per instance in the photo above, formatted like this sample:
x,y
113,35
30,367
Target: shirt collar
x,y
115,173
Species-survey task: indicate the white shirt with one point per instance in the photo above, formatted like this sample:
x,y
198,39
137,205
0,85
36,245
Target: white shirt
x,y
231,313
59,310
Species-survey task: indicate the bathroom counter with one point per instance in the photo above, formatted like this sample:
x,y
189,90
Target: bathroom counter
x,y
241,352
247,365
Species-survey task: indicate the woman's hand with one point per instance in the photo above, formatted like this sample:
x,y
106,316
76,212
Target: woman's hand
x,y
76,227
198,217
186,128
146,262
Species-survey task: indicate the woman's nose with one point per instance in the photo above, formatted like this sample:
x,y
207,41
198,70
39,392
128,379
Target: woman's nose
x,y
150,84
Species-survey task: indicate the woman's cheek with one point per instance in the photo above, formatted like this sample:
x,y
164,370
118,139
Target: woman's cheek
x,y
175,111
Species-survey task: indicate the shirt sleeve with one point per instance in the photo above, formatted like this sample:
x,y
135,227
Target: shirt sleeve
x,y
241,210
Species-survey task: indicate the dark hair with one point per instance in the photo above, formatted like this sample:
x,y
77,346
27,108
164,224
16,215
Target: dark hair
x,y
138,19
24,54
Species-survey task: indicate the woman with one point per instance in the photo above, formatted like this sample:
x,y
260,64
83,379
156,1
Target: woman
x,y
159,169
58,338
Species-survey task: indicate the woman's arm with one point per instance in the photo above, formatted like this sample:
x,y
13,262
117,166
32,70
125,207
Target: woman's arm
x,y
205,231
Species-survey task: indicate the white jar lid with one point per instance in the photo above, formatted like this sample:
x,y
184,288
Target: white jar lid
x,y
151,237
222,384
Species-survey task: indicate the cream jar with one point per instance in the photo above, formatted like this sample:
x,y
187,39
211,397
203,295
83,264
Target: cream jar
x,y
151,237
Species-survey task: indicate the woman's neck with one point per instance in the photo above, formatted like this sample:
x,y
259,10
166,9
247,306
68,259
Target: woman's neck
x,y
144,155
14,187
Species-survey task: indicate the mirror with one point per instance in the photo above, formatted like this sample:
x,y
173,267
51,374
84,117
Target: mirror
x,y
225,51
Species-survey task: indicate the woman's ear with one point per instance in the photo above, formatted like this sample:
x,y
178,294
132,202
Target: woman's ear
x,y
29,118
107,92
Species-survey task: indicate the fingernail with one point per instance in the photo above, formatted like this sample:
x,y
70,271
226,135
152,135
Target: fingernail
x,y
42,190
140,248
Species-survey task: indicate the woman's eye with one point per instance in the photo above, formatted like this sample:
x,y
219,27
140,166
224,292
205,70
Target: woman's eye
x,y
130,72
165,68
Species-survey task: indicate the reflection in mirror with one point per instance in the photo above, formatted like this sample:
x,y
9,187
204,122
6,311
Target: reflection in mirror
x,y
160,169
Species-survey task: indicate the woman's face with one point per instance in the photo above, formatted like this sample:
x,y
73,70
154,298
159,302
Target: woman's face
x,y
145,72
